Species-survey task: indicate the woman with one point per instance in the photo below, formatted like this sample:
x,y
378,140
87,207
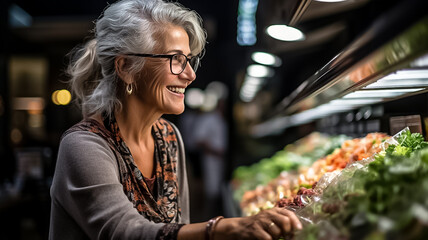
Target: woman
x,y
119,173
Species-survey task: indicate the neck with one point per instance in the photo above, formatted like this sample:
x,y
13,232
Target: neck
x,y
135,121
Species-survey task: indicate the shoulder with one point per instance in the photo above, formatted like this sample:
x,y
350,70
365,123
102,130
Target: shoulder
x,y
85,158
82,139
87,142
89,125
79,145
87,134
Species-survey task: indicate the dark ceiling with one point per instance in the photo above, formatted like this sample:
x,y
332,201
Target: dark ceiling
x,y
58,25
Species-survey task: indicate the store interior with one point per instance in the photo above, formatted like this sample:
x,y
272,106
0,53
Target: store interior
x,y
352,69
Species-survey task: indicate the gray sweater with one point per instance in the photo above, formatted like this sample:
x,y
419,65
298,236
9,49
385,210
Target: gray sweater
x,y
88,201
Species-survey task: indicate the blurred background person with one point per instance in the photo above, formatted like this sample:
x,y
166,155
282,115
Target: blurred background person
x,y
211,138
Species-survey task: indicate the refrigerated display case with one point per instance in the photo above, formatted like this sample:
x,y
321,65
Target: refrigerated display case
x,y
378,83
380,197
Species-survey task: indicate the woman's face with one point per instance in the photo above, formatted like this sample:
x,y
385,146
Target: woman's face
x,y
157,86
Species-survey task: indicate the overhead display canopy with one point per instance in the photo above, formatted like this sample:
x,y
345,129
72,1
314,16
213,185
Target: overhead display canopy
x,y
386,63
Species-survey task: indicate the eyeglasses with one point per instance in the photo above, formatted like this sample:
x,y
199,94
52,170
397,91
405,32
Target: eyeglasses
x,y
177,62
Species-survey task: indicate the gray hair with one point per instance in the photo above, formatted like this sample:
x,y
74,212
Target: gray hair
x,y
127,26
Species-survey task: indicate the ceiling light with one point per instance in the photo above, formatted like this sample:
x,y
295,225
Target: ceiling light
x,y
247,96
398,83
285,33
246,29
408,74
250,87
260,71
354,102
18,17
254,80
266,59
402,78
383,93
420,62
318,112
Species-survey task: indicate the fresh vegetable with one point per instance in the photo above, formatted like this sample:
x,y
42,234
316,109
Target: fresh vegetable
x,y
262,184
384,199
302,153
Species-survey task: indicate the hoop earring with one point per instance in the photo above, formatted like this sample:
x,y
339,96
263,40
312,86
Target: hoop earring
x,y
129,89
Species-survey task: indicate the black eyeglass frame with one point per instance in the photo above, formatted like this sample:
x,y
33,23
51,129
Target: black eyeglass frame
x,y
170,56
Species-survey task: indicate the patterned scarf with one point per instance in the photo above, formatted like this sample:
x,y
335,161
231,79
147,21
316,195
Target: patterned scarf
x,y
161,206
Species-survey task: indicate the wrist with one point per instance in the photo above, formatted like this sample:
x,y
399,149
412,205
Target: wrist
x,y
211,225
227,228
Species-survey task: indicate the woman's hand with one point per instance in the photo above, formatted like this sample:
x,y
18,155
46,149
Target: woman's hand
x,y
268,224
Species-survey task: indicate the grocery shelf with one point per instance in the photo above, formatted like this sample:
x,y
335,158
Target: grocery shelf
x,y
387,62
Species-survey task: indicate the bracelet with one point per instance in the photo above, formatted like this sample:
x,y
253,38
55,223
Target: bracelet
x,y
209,230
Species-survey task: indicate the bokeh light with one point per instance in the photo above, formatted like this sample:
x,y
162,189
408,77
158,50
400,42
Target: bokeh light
x,y
61,97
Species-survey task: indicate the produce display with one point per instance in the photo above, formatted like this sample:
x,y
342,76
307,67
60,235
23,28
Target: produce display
x,y
351,151
371,188
382,197
288,186
302,153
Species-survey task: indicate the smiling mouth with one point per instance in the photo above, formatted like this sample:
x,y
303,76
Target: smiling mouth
x,y
176,89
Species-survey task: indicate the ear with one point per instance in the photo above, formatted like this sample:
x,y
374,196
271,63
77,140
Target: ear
x,y
122,70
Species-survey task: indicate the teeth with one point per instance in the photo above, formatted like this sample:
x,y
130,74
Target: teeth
x,y
177,89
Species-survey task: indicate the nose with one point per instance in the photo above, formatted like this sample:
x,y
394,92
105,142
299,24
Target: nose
x,y
188,73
